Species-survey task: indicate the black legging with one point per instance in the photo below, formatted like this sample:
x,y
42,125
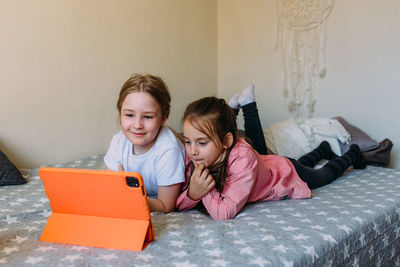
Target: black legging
x,y
252,127
304,166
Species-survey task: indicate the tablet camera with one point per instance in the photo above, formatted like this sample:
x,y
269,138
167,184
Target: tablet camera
x,y
132,181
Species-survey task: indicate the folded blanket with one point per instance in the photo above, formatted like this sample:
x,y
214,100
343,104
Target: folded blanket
x,y
295,137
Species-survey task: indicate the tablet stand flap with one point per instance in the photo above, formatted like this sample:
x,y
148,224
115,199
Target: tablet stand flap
x,y
104,232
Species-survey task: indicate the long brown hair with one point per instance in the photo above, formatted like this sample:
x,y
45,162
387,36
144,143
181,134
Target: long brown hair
x,y
150,84
213,117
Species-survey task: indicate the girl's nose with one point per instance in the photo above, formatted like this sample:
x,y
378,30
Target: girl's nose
x,y
193,149
137,123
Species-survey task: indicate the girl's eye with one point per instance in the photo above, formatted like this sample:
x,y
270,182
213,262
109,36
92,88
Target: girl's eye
x,y
187,142
148,117
202,143
129,115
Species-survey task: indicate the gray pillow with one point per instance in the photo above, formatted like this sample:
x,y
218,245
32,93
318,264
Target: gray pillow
x,y
9,174
358,137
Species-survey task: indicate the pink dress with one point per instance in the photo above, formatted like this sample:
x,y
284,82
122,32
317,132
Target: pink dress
x,y
250,177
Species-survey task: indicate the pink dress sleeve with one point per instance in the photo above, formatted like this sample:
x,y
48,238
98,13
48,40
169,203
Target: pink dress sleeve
x,y
184,202
239,183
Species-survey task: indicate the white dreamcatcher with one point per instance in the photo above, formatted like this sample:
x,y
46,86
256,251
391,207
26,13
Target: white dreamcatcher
x,y
301,37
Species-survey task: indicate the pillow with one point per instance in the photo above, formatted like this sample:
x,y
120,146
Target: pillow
x,y
358,137
9,174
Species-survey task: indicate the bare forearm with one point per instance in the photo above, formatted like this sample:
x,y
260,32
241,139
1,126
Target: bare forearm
x,y
158,205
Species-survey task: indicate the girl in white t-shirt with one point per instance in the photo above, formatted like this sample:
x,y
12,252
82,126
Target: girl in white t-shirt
x,y
144,144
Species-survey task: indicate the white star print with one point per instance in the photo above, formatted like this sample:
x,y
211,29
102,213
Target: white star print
x,y
107,257
290,228
346,251
358,219
220,262
247,250
355,263
19,239
145,257
260,262
344,228
206,233
311,251
371,252
8,250
281,248
178,243
79,248
388,218
208,242
287,263
45,213
329,238
31,228
10,220
174,233
300,237
43,200
268,237
213,253
385,240
332,219
253,223
179,254
184,264
72,258
34,260
45,249
318,227
239,242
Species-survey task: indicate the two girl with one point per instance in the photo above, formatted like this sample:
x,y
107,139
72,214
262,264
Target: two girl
x,y
144,144
224,172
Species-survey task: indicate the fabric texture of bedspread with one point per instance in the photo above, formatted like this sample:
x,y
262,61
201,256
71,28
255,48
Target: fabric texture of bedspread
x,y
354,221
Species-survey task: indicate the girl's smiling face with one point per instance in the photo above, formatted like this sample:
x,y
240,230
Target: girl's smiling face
x,y
141,120
200,148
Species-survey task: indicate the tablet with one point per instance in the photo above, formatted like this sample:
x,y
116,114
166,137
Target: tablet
x,y
98,208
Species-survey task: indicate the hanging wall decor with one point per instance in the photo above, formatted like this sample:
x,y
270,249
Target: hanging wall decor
x,y
301,38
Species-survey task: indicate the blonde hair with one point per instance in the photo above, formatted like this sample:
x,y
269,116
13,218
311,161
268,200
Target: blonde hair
x,y
150,84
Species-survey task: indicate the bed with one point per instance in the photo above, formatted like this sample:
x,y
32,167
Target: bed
x,y
354,221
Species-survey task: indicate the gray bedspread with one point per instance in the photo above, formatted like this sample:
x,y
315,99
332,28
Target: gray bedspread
x,y
354,221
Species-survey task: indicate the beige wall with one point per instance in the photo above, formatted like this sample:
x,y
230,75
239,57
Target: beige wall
x,y
63,63
362,82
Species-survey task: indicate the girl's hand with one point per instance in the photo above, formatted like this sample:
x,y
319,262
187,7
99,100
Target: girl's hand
x,y
201,182
120,168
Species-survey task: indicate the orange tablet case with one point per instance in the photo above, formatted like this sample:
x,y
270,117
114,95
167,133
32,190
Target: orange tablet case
x,y
97,208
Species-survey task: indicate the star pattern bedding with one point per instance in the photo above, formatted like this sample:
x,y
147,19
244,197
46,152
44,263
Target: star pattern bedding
x,y
354,221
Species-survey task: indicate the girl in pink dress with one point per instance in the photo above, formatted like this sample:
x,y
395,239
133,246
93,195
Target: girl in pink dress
x,y
224,172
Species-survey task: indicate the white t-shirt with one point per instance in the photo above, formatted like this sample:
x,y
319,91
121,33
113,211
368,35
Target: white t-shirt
x,y
162,165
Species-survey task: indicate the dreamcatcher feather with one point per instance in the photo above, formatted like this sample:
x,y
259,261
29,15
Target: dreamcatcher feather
x,y
301,37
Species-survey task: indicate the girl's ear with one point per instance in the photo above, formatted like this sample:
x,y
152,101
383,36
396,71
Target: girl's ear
x,y
163,120
228,140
